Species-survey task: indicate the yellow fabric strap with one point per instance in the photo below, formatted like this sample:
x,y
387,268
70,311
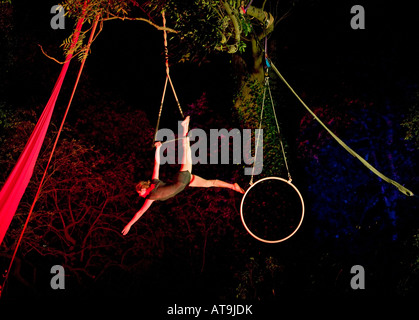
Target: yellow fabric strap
x,y
401,188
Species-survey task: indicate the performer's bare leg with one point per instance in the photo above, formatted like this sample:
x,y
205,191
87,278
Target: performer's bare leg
x,y
197,181
186,164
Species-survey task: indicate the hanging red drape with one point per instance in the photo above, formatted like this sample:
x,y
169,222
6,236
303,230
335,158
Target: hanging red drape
x,y
18,180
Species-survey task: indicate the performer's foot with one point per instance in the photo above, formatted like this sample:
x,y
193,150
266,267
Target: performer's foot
x,y
238,188
185,125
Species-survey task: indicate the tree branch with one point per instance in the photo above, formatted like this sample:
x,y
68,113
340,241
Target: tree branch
x,y
233,48
170,30
263,5
49,57
266,18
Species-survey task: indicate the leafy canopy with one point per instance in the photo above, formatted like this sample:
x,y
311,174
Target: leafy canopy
x,y
201,26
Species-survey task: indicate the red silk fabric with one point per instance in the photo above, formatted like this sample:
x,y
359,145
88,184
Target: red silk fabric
x,y
18,180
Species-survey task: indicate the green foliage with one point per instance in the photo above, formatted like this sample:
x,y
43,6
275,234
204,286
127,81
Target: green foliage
x,y
89,10
198,24
408,283
205,27
246,26
416,248
68,45
259,280
75,8
249,111
4,116
411,123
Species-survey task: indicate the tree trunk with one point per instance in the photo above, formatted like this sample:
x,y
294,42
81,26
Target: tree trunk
x,y
250,72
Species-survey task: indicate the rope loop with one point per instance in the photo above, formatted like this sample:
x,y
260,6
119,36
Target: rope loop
x,y
168,79
265,88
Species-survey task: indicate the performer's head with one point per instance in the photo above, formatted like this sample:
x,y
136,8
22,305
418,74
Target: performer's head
x,y
142,187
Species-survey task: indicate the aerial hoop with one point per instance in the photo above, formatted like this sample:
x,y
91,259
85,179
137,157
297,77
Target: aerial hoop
x,y
273,221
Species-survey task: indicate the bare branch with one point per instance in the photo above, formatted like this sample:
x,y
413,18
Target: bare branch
x,y
170,30
52,58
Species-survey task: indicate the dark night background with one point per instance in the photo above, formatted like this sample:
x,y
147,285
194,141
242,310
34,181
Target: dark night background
x,y
363,83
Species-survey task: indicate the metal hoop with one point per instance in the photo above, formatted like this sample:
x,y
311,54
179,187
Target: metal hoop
x,y
302,210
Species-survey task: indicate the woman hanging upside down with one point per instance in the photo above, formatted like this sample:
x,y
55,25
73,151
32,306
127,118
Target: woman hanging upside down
x,y
158,190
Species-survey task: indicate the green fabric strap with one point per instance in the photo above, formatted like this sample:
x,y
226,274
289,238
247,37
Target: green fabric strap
x,y
343,144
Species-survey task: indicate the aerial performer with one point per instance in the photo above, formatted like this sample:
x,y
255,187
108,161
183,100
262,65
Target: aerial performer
x,y
157,190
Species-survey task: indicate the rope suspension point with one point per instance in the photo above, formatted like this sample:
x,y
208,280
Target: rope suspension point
x,y
168,79
283,215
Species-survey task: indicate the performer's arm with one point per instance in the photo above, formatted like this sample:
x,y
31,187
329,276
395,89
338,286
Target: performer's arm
x,y
138,215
